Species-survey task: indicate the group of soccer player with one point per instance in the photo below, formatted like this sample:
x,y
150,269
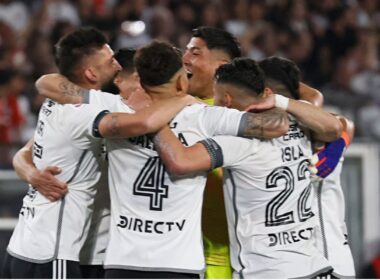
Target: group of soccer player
x,y
117,182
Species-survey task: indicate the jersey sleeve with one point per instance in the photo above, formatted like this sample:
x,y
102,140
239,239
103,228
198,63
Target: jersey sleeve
x,y
220,120
104,99
235,149
80,120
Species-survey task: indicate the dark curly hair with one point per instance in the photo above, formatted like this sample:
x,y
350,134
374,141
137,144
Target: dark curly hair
x,y
219,39
242,72
157,63
71,50
282,72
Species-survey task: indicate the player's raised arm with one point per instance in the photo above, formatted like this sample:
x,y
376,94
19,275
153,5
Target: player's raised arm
x,y
60,89
225,121
311,95
265,125
324,125
207,154
326,159
43,180
148,120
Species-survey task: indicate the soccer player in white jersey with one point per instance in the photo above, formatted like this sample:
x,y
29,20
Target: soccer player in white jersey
x,y
267,185
49,235
332,233
93,250
155,218
138,197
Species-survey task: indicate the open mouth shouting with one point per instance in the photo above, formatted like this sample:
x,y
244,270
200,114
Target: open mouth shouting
x,y
189,74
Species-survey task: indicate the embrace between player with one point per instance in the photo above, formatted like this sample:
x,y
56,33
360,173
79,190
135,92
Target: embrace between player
x,y
164,78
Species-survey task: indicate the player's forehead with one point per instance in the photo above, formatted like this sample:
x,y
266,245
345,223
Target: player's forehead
x,y
106,51
196,43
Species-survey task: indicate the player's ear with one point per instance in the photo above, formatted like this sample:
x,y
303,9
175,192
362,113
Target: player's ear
x,y
90,75
182,82
227,100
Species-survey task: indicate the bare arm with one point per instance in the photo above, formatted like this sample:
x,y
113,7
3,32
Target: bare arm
x,y
348,127
311,95
61,90
265,125
324,125
148,120
179,159
44,181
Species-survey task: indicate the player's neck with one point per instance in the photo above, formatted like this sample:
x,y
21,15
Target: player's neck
x,y
87,85
241,104
162,92
205,94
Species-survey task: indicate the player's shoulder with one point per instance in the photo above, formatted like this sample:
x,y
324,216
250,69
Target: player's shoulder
x,y
242,143
107,100
192,109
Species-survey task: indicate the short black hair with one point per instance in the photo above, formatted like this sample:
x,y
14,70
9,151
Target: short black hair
x,y
72,48
219,39
242,72
125,58
281,71
157,62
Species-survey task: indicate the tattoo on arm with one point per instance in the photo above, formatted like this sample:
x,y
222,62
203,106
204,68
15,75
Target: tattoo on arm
x,y
69,89
256,124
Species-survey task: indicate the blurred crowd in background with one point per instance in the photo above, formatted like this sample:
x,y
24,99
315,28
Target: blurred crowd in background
x,y
335,43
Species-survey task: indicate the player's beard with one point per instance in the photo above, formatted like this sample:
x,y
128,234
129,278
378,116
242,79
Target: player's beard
x,y
110,86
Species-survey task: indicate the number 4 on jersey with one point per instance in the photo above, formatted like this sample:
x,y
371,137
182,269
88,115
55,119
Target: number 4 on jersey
x,y
150,182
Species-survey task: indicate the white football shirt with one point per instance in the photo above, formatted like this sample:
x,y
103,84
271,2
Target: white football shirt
x,y
155,217
268,198
331,232
49,230
94,249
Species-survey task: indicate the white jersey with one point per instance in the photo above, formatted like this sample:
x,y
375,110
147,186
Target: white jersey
x,y
331,232
49,230
155,217
94,249
268,200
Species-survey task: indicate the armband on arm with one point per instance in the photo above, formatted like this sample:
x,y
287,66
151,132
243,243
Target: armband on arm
x,y
95,126
215,152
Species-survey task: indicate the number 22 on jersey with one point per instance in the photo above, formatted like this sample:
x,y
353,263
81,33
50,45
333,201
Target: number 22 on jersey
x,y
284,173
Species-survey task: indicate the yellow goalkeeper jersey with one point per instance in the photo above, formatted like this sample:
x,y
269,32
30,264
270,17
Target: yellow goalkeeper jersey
x,y
214,222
